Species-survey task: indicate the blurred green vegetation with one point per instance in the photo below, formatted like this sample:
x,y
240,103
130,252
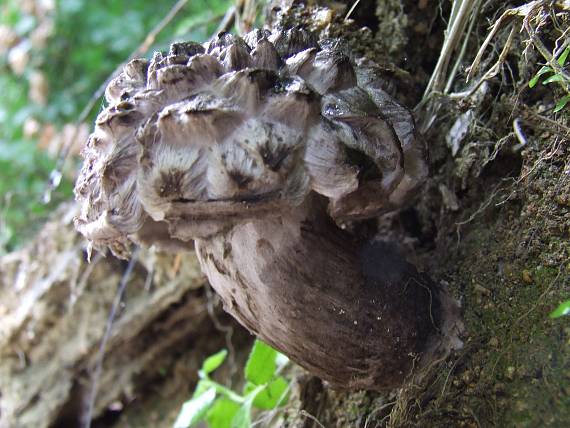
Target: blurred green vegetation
x,y
222,407
54,54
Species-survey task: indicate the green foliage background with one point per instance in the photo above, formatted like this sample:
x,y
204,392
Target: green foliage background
x,y
87,40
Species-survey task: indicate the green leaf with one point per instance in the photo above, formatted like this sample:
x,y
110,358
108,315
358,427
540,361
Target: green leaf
x,y
555,78
260,366
533,81
201,387
222,413
545,69
206,384
561,310
273,395
242,418
194,410
213,362
562,103
562,58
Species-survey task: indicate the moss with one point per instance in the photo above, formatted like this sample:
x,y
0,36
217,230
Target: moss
x,y
508,268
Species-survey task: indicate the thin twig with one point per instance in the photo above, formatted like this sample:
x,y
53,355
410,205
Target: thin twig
x,y
80,286
507,16
544,157
565,42
352,8
377,410
140,50
496,190
538,302
489,74
228,331
106,336
552,62
227,21
541,118
311,417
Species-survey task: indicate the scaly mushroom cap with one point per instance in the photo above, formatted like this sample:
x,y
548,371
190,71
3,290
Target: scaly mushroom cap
x,y
205,136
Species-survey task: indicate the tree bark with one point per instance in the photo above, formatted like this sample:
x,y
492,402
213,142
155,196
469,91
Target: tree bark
x,y
54,308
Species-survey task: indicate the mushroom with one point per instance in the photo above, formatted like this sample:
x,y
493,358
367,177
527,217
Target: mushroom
x,y
259,150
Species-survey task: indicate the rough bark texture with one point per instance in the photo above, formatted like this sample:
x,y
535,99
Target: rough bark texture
x,y
54,310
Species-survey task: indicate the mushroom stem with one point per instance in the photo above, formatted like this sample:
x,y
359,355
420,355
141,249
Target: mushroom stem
x,y
356,315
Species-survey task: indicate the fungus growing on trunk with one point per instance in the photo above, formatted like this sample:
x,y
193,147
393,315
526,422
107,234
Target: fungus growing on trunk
x,y
257,149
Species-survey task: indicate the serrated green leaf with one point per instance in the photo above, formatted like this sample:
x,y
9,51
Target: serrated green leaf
x,y
562,58
555,78
545,69
561,310
213,362
562,103
273,395
260,366
222,413
194,410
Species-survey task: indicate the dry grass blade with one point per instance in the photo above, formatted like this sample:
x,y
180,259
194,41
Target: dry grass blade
x,y
494,70
506,17
543,50
462,10
352,8
526,12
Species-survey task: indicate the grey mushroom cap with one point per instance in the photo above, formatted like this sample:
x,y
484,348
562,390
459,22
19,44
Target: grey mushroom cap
x,y
253,150
207,136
